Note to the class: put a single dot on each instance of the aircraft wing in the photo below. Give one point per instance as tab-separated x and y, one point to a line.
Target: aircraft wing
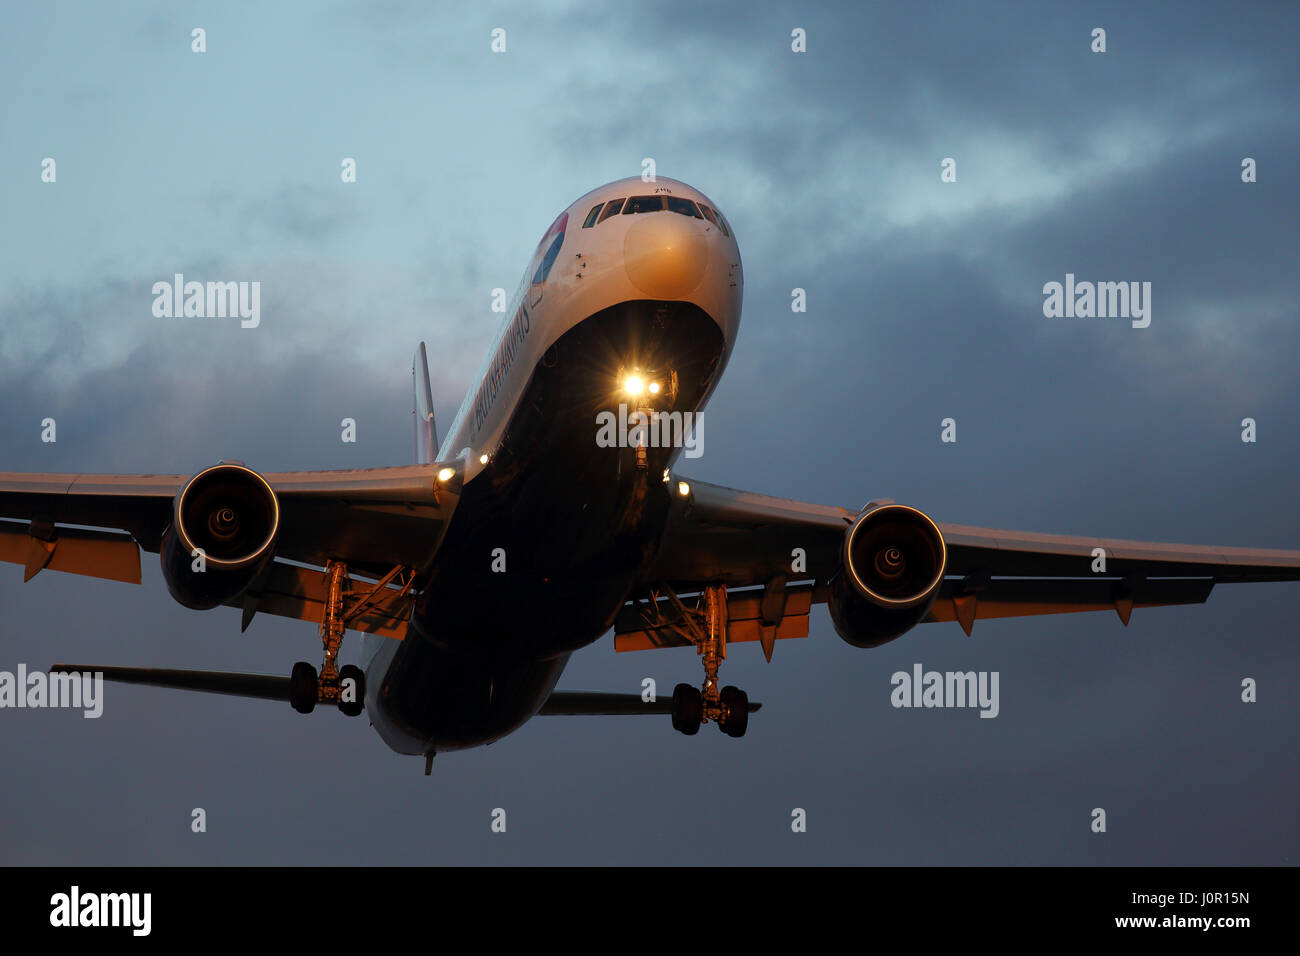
372	519
748	541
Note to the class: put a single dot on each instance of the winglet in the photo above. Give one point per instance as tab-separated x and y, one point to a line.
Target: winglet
426	429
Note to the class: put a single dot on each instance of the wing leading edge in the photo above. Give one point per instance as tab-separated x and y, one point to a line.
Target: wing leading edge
374	520
744	540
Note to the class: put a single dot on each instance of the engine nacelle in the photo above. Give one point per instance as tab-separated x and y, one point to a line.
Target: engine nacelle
230	513
890	571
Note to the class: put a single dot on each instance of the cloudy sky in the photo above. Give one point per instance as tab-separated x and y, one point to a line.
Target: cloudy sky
924	302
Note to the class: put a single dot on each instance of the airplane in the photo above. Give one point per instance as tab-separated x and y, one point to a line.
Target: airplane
473	574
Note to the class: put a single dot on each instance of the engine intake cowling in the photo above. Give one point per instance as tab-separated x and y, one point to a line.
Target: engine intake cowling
891	567
231	514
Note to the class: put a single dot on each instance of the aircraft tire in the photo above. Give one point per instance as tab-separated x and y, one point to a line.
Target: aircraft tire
688	709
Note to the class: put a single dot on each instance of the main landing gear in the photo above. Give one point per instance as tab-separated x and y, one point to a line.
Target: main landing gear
343	686
728	707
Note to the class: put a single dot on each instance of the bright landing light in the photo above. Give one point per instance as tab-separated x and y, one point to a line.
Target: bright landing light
654	388
446	474
683	488
633	385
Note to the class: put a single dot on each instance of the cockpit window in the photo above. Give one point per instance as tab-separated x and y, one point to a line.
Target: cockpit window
640	204
643	204
611	209
711	214
683	206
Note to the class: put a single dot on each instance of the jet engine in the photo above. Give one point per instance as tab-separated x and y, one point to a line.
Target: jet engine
890	571
224	525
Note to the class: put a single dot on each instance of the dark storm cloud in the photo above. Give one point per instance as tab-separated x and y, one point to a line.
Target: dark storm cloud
925	301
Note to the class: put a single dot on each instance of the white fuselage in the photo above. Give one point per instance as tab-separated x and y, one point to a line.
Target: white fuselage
656	255
596	256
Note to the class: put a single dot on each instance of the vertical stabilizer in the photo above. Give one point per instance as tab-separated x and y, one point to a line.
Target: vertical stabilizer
426	429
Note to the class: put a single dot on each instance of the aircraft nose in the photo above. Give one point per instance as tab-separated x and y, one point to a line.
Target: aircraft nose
666	254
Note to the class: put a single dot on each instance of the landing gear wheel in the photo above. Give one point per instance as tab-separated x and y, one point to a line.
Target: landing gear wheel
735	704
303	687
356	689
688	709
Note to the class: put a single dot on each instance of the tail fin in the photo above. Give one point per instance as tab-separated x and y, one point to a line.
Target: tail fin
426	429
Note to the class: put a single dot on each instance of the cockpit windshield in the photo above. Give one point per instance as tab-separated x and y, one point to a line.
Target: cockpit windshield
683	206
661	203
643	204
611	209
716	219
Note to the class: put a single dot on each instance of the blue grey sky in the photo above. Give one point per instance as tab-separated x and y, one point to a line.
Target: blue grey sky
924	302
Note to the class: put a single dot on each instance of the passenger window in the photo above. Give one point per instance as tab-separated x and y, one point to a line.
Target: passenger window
683	206
591	216
643	204
611	209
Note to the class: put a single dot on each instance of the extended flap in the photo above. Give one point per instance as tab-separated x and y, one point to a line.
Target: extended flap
97	554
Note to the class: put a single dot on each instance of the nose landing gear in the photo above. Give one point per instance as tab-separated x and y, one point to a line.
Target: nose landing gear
652	394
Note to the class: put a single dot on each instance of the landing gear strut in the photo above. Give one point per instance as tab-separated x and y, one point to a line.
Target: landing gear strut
728	707
652	393
331	632
343	686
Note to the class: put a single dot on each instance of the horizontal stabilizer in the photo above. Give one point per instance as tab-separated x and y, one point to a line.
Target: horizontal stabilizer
263	686
596	704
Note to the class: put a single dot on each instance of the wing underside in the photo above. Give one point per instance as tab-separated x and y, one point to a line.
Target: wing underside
385	524
775	556
389	520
